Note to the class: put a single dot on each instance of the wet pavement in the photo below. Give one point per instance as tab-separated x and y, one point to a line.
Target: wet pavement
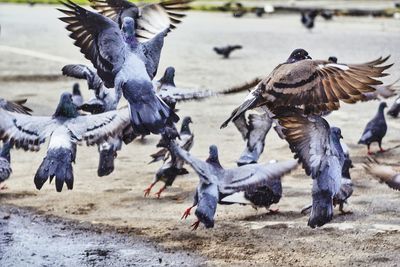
27	239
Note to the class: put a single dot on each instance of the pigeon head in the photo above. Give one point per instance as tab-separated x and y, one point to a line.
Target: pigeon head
298	55
336	132
213	156
66	107
169	134
332	59
5	151
185	125
168	77
382	106
128	31
76	90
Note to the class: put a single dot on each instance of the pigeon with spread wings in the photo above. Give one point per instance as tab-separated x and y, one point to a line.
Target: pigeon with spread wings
122	62
320	152
217	182
316	86
151	19
64	130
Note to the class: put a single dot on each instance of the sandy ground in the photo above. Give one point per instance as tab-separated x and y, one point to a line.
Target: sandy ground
242	235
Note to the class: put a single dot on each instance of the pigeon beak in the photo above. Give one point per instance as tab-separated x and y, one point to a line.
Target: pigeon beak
341	136
308	57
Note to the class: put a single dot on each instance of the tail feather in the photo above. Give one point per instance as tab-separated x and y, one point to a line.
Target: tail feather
106	160
58	164
322	209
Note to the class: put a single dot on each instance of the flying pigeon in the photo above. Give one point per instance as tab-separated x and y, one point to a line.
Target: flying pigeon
381	90
122	62
385	174
216	182
15	106
104	100
346	185
5	167
315	85
395	108
150	19
225	51
317	147
186	141
64	129
254	132
77	95
307	18
375	129
174	167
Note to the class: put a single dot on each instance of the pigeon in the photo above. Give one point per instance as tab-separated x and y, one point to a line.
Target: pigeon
239	10
15	106
65	128
77	95
381	90
259	11
317	147
375	129
104	100
395	108
346	185
122	62
150	19
254	132
307	18
225	51
216	182
385	174
327	14
5	167
315	85
172	168
186	141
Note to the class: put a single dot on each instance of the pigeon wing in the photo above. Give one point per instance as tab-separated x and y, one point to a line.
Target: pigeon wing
80	71
259	126
308	138
253	175
99	39
15	106
242	126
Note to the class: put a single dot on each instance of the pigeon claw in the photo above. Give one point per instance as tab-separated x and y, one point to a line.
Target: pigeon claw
3	186
381	150
158	194
186	213
273	211
195	225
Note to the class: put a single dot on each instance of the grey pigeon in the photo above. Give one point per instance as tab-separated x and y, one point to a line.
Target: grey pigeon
319	150
150	18
122	62
216	182
255	132
395	108
15	106
64	129
5	167
375	129
225	51
104	100
174	167
346	185
385	174
186	141
77	95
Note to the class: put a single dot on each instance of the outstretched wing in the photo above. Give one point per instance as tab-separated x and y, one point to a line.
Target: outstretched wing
99	39
319	85
308	138
15	106
24	131
95	129
383	173
253	175
259	126
80	71
242	126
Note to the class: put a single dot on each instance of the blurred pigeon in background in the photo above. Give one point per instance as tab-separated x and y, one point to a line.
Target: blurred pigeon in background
308	17
122	62
64	129
375	129
5	166
395	108
385	174
225	51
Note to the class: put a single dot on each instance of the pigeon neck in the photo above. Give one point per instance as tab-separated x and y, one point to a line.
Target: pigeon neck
380	113
131	40
5	151
67	110
185	129
214	161
167	81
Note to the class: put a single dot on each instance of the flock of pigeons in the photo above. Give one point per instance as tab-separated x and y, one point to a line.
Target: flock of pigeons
124	42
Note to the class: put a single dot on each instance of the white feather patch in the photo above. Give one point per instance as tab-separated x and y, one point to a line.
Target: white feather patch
339	66
60	138
237	197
